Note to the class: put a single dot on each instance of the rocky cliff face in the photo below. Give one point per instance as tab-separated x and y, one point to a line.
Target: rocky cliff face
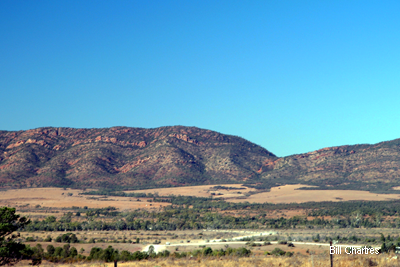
172	156
127	157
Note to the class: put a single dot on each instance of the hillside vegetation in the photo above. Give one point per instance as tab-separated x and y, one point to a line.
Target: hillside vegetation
123	157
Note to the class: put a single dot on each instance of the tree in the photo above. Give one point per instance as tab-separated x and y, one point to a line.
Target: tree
50	250
10	250
73	252
151	249
383	239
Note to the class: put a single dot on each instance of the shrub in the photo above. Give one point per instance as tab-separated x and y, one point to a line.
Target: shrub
50	249
278	252
242	252
58	251
73	252
207	251
67	238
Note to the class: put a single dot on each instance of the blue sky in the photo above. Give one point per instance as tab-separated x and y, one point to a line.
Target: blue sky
291	76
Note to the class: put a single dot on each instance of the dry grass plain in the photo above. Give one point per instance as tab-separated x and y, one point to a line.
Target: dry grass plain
198	191
281	194
60	198
291	194
384	260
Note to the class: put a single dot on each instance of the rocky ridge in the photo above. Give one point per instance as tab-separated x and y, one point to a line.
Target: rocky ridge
172	156
128	157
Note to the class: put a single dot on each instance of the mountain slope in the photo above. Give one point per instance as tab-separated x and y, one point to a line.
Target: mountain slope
358	165
128	157
171	156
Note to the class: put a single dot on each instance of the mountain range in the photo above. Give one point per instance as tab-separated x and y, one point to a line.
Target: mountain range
123	157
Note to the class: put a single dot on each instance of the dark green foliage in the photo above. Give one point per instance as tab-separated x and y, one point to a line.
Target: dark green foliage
67	238
125	256
278	252
242	252
65	252
383	239
164	254
107	255
207	251
51	219
389	245
137	255
58	251
11	251
62	254
289	254
37	255
50	249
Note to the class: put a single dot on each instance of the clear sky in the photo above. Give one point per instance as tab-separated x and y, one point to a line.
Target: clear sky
291	76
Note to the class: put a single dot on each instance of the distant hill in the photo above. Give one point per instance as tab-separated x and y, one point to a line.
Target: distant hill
367	167
126	157
123	157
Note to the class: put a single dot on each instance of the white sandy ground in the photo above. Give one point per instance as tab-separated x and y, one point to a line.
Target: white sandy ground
160	248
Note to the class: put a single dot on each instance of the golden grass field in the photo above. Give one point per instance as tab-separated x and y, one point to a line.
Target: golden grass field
281	194
290	194
59	198
198	191
384	260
